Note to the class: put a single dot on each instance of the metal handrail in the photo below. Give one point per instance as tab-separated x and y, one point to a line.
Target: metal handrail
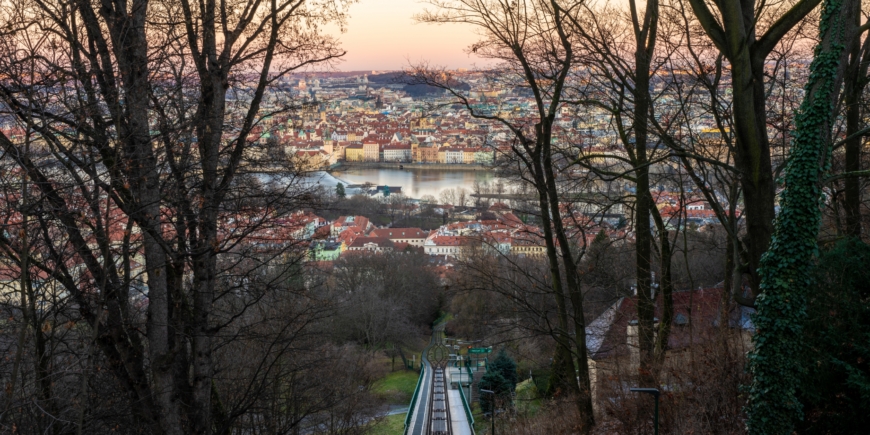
414	397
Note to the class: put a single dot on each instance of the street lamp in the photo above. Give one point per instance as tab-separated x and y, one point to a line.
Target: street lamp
492	417
655	393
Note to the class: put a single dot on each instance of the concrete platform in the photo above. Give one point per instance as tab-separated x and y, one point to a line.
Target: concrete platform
458	420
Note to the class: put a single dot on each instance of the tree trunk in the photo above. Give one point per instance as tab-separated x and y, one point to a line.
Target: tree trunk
667	295
584	399
733	33
562	377
753	160
731	279
402	355
643	234
854	80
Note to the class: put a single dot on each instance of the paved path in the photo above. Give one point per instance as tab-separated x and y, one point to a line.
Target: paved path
457	414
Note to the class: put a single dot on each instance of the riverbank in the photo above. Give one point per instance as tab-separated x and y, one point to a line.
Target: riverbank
343	166
417	181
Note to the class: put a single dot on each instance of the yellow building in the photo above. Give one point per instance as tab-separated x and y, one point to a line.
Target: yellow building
527	248
354	153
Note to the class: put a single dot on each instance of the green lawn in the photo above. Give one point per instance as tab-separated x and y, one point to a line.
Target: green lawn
528	399
390	425
443	318
397	387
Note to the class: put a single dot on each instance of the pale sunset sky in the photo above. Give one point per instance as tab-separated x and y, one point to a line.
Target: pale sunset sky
382	35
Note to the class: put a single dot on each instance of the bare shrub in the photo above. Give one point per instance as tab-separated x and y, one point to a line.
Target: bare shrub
700	387
556	416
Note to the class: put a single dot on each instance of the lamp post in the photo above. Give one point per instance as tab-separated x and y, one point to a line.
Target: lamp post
655	393
492	411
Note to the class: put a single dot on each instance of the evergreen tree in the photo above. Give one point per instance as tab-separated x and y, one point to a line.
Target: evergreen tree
600	238
494	381
339	191
621	223
506	367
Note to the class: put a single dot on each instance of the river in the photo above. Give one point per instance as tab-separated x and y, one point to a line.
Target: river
415	183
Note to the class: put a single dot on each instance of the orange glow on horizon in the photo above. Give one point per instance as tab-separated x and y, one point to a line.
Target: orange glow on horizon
382	35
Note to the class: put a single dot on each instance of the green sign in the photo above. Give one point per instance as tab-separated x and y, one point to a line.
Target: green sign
479	350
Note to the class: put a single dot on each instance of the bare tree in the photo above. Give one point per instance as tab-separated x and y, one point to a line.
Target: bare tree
533	44
855	81
448	196
389	300
461	197
147	110
732	29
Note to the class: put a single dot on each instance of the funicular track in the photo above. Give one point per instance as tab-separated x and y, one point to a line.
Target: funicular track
431	414
439	409
438	421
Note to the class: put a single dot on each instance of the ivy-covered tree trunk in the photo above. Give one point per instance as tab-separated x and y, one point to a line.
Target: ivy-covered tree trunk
773	407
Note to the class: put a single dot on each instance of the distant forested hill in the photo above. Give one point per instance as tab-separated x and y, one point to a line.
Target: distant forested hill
412	90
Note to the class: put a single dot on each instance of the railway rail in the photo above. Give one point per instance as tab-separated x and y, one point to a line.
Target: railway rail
439	410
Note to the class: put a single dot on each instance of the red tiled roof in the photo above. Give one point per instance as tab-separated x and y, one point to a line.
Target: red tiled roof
399	233
701	306
450	240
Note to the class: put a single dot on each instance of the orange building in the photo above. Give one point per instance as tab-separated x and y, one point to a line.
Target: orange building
428	154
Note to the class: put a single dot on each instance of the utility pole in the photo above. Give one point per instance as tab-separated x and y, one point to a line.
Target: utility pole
492	411
655	393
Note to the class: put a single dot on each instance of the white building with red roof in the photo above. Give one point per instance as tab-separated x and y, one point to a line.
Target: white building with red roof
373	244
451	246
411	236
